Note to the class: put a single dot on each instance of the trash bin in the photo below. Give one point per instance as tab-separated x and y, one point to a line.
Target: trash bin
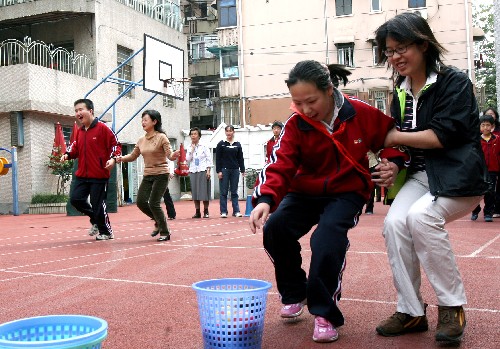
232	312
54	332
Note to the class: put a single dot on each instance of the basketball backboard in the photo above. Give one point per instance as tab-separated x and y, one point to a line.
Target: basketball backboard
163	64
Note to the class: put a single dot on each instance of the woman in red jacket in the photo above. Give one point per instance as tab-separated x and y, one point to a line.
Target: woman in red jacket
318	174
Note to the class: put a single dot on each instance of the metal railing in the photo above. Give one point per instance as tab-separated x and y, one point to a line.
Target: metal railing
166	11
13	2
13	51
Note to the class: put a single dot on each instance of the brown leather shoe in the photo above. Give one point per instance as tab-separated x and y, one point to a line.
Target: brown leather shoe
401	323
451	324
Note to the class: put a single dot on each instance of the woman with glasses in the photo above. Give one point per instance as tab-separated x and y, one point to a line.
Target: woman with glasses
437	119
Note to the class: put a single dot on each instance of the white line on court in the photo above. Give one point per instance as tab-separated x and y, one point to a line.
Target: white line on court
479	250
357	300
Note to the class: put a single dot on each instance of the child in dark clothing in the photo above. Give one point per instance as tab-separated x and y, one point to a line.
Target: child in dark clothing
491	149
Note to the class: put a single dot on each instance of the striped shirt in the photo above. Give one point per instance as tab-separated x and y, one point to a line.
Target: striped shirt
417	155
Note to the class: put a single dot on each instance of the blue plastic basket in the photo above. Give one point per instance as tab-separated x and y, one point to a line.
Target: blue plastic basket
54	332
232	312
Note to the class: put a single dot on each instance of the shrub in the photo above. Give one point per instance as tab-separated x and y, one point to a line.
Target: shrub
62	170
49	198
251	175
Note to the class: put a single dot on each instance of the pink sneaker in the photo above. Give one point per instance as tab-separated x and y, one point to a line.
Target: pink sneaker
324	331
292	310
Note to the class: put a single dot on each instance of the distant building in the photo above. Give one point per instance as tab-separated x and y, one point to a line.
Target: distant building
54	52
260	41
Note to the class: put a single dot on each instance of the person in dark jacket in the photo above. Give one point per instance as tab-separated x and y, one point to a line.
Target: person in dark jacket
490	144
438	120
96	148
318	176
228	165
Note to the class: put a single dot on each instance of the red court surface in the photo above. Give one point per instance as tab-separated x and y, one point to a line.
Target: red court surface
49	265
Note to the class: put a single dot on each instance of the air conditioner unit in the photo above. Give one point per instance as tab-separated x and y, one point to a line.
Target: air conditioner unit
422	12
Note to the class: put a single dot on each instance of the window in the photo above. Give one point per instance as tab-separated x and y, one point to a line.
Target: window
229	64
125	72
379	99
343	7
227	13
67	133
376	6
376	61
168	102
350	93
198	46
416	3
230	111
345	54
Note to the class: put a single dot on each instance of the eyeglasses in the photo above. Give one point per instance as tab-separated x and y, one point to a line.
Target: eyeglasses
399	50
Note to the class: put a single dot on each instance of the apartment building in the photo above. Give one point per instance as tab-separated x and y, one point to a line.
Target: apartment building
203	64
54	52
260	41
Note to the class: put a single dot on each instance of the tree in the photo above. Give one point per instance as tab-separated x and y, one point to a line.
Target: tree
61	169
485	66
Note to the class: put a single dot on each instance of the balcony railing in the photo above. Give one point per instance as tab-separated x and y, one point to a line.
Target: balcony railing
166	11
13	2
13	51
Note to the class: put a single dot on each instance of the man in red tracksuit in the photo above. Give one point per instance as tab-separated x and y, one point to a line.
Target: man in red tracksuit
96	147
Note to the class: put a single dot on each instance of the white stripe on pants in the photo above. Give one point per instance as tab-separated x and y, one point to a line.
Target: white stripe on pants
414	234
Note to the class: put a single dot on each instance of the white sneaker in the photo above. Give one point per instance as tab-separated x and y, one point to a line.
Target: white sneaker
223	215
237	214
93	230
105	237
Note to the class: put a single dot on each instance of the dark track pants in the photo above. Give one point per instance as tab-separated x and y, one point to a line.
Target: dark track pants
96	210
294	218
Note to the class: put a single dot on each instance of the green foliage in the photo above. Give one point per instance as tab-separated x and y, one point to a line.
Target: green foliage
49	198
251	175
483	17
61	169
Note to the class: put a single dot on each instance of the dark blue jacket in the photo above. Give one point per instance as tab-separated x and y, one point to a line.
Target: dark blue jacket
229	155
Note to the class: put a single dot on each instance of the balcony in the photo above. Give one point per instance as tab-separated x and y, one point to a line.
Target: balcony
36	76
14	52
228	36
166	11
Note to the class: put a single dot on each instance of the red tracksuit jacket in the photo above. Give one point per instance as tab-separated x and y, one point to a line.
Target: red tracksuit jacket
491	150
93	148
310	160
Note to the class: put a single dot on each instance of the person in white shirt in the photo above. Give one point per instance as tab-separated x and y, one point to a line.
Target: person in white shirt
200	163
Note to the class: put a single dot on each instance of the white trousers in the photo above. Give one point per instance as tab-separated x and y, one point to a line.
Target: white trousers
414	232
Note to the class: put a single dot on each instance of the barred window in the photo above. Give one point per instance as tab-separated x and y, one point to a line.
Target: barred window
345	54
125	72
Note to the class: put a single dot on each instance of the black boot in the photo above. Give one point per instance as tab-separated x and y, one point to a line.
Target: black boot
197	214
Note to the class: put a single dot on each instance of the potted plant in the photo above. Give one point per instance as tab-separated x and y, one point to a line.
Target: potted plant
251	175
62	170
48	203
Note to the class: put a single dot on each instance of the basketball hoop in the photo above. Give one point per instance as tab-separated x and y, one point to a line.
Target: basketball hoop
180	86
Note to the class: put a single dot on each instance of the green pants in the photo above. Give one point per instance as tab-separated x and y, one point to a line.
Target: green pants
149	197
